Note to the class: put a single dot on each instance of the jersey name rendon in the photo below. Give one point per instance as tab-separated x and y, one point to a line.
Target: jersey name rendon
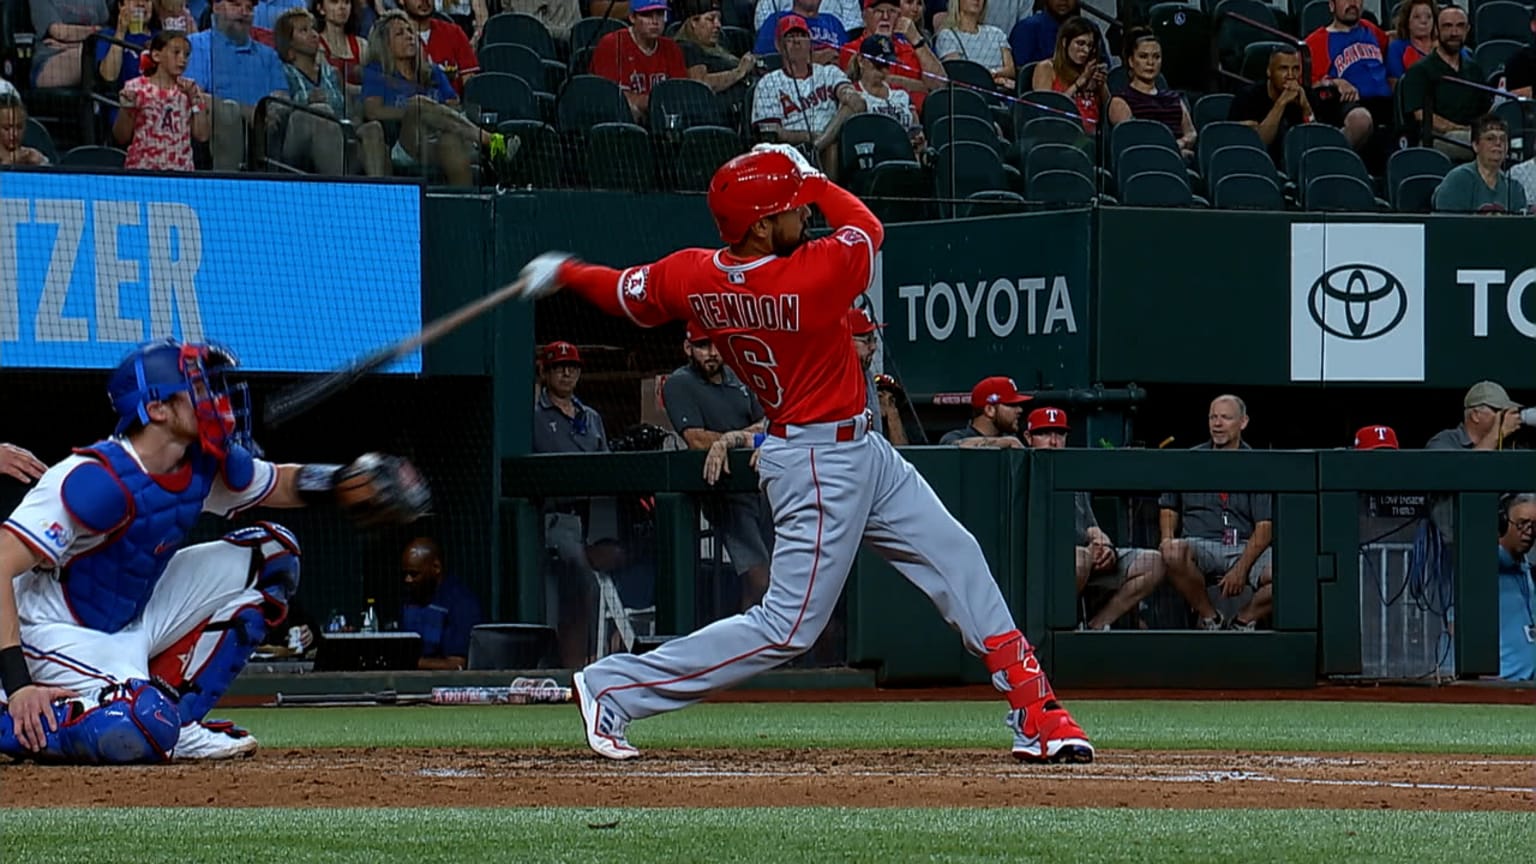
740	311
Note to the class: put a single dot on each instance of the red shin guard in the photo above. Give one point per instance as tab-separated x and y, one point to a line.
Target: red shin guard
1015	671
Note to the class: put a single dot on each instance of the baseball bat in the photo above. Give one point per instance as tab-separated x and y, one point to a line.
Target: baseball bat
298	399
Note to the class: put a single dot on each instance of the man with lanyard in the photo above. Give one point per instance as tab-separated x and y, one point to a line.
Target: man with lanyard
1517	593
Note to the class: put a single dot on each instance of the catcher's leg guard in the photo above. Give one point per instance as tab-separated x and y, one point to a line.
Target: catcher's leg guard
133	722
223	646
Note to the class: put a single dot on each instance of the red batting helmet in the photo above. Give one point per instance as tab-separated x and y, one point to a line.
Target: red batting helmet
754	186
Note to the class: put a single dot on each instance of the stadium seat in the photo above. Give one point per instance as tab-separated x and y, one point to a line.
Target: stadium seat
586	32
1211	108
516	28
69	110
737	40
1305	137
1044	103
1255	64
619	156
1049	130
1520	117
992	202
690	102
964	167
1058	188
1247	192
588	100
770	62
1325	161
1185	34
1233	36
1493	55
703	150
507	96
36	136
1142	158
1134	132
971	74
1056	157
1224	134
1314	14
1337	193
1415	194
867	140
517	60
900	192
1414	162
963	128
1241	160
940	103
89	156
1155	189
538	155
1500	19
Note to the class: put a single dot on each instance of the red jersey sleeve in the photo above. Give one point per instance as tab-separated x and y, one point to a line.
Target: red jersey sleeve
676	68
842	264
641	293
1381	36
464	53
605	57
1317	47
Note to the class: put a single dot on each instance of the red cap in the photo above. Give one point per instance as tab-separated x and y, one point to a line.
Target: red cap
788	23
860	322
696	332
558	353
1042	419
1376	438
997	390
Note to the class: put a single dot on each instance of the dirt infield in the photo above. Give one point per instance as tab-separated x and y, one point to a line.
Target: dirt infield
758	778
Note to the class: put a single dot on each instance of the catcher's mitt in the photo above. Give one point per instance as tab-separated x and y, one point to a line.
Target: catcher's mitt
379	489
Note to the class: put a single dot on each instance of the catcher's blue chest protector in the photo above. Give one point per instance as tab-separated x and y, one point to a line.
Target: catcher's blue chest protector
146	521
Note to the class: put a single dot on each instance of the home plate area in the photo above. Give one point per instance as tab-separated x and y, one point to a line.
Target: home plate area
382	777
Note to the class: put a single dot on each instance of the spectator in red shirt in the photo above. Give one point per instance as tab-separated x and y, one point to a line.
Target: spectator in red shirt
340	45
445	42
639	57
914	56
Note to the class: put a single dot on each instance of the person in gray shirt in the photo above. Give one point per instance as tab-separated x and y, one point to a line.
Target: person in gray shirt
1488	419
704	400
1482	185
1225	537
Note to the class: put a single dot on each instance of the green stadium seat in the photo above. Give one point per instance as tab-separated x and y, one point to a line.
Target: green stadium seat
538	155
682	103
1234	36
1060	188
1155	189
586	32
1056	157
868	140
963	168
703	150
1500	19
1338	194
1247	192
1224	134
507	96
900	192
1305	137
36	136
1211	108
619	156
90	156
1415	194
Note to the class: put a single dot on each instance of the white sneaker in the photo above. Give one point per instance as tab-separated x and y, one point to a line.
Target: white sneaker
603	726
214	739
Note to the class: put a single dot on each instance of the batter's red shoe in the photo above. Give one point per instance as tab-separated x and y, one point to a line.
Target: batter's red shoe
603	726
1047	733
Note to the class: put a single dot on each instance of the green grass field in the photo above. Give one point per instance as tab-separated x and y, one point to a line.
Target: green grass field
827	834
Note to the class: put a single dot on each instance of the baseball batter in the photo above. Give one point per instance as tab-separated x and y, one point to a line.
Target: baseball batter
114	641
776	306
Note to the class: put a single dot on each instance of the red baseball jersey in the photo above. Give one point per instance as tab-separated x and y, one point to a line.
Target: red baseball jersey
617	58
780	323
449	48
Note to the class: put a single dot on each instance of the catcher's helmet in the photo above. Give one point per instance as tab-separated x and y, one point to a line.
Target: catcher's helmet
158	370
756	185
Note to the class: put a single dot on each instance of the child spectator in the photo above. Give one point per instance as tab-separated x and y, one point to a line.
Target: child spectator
136	26
13	130
162	111
62	27
639	57
339	22
400	85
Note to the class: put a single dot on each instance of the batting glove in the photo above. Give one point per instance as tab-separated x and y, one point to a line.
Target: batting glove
542	275
795	156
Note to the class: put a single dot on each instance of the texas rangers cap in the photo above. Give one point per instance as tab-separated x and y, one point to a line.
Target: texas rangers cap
788	23
879	48
560	354
860	322
997	390
870	4
696	333
1488	393
637	6
1376	438
1043	419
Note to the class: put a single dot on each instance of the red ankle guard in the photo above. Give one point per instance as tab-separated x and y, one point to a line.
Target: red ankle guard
1015	671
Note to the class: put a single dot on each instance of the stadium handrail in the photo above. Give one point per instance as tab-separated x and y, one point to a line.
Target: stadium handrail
258	142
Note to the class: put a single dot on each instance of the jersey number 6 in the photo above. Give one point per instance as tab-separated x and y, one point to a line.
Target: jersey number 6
756	364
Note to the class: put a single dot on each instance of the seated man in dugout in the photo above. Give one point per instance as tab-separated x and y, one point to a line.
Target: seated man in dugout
1220	539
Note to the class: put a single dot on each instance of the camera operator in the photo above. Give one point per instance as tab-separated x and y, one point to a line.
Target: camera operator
1489	421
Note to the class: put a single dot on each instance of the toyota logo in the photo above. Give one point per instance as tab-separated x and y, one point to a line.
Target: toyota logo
1357	301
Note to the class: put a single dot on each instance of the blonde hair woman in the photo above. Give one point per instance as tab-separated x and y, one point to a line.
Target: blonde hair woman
707	60
965	37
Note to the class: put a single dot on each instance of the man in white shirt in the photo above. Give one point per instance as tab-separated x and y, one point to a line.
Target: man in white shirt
804	103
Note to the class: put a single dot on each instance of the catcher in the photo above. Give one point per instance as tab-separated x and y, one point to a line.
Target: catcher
114	641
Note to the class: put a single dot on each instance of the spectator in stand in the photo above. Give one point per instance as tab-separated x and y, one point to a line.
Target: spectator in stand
445	41
1520	70
804	103
13	130
826	31
400	85
237	72
437	607
1220	539
638	57
1489	419
62	27
917	69
1142	100
1348	57
1076	70
1034	38
561	422
890	395
965	36
340	22
1517	592
1413	38
266	13
174	15
703	55
710	407
1482	186
1111	581
558	15
8	89
996	405
162	111
866	343
136	26
1276	104
845	11
316	83
1454	107
871	76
